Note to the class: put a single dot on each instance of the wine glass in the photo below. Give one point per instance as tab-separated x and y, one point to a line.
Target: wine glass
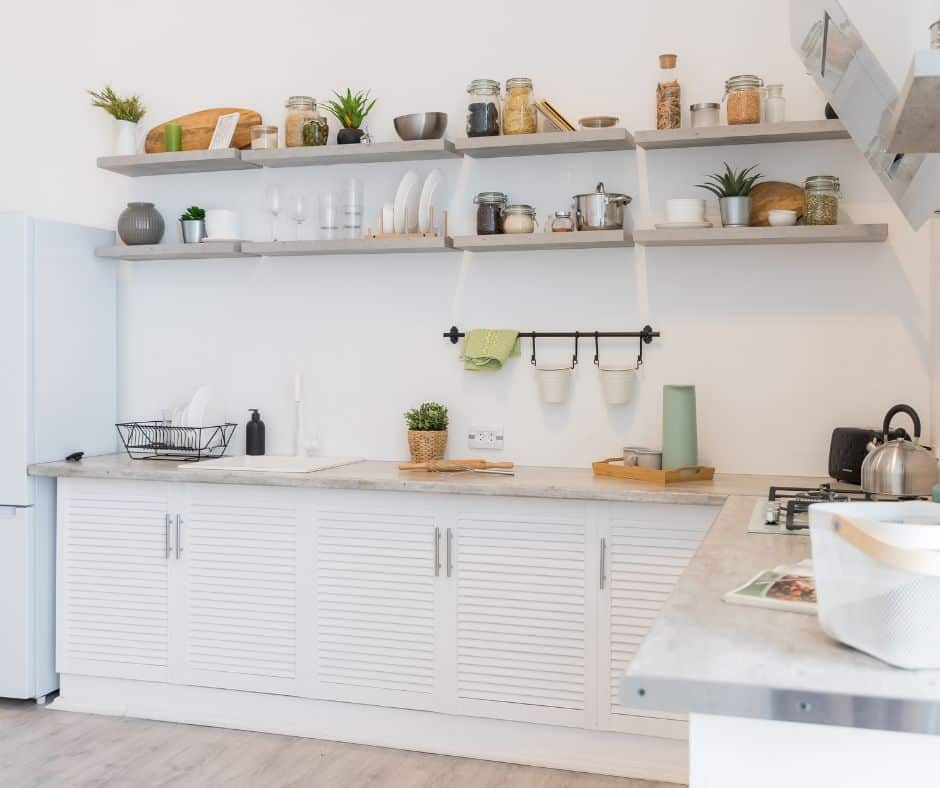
299	211
273	201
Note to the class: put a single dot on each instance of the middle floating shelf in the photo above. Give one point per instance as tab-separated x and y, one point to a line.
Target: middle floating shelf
309	156
510	242
388	245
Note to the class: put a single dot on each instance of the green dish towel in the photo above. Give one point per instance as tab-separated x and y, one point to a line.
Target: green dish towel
488	348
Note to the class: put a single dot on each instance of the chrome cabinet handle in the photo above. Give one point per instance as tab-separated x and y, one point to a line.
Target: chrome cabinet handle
166	536
603	564
450	552
179	539
437	552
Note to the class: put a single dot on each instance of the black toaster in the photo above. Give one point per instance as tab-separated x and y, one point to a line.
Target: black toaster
848	448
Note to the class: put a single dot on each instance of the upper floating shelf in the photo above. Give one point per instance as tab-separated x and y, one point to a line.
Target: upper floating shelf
175	251
732	236
707	136
387	245
544	143
176	163
416	150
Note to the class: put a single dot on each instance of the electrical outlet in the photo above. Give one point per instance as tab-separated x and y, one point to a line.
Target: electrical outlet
486	437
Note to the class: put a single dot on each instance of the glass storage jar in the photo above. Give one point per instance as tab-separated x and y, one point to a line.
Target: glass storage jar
705	114
743	95
518	219
668	94
303	124
519	116
562	222
821	200
490	206
483	108
776	105
263	137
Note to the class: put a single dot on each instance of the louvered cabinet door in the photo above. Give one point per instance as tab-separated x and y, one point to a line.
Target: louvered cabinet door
239	558
522	620
112	603
375	632
648	548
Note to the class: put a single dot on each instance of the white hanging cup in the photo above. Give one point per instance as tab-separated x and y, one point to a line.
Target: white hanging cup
554	383
618	383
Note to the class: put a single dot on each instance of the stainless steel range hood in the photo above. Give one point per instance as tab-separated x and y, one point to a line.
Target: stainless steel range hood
891	130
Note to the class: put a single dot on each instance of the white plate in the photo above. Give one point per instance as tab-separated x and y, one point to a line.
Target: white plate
406	201
431	183
682	225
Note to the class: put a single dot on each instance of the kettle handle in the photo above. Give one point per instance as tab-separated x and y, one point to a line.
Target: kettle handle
902	409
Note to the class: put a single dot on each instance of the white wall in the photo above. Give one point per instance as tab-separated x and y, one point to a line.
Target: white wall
783	343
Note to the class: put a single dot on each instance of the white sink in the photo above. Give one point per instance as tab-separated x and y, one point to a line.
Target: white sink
270	464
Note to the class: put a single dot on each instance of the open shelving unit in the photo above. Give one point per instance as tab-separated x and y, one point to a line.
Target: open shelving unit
709	136
415	245
545	143
177	163
540	241
175	251
310	156
731	236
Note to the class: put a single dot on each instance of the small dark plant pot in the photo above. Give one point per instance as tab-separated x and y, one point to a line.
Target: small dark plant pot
349	136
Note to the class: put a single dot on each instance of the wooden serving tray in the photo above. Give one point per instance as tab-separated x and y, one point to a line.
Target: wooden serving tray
613	466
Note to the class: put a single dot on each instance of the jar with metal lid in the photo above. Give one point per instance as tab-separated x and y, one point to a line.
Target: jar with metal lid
743	95
490	206
705	114
775	106
519	115
304	125
562	222
821	200
483	108
519	218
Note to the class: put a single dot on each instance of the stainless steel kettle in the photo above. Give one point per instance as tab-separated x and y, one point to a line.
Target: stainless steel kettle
900	467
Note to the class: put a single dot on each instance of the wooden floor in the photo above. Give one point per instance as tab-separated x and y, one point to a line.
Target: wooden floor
41	747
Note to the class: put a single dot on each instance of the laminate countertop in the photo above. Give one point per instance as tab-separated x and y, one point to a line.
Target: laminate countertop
528	482
704	655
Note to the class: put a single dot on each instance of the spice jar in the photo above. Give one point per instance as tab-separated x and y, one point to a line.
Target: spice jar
821	200
562	222
490	207
776	105
518	219
519	109
483	109
304	125
743	95
704	114
263	137
668	94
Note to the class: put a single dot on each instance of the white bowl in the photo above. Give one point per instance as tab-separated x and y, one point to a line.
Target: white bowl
618	383
554	382
781	218
685	210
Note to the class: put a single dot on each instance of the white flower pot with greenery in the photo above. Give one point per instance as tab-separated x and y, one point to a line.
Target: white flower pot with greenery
193	224
427	432
126	112
733	191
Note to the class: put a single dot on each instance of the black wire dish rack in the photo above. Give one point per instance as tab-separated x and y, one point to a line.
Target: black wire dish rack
161	440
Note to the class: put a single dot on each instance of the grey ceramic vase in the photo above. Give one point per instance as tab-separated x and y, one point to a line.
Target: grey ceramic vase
140	223
735	211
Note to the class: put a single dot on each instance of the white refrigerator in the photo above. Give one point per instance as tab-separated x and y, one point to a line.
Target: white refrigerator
58	358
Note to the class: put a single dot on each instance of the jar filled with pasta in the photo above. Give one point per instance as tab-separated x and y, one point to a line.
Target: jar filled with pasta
821	200
668	94
742	93
519	115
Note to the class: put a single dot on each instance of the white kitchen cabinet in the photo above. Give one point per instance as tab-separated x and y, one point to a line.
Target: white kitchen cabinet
113	579
524	623
645	549
376	565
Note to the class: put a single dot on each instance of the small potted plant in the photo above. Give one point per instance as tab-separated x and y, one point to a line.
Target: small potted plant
193	222
732	190
350	110
127	113
427	432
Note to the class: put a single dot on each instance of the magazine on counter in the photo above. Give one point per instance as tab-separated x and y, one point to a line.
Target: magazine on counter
789	587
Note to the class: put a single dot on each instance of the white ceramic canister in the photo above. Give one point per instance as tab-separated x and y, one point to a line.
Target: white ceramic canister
554	383
222	225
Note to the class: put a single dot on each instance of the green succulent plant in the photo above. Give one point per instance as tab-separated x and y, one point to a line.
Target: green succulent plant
351	109
731	183
428	417
130	108
193	214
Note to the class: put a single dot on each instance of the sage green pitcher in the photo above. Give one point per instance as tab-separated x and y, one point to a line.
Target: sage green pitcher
680	430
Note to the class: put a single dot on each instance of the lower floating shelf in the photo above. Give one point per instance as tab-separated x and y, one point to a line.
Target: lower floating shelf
203	251
584	239
730	236
387	245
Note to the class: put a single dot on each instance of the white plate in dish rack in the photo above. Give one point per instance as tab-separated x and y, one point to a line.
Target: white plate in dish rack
406	203
270	463
431	184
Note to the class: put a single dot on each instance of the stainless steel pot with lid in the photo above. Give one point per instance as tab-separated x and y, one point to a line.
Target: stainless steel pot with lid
600	209
900	467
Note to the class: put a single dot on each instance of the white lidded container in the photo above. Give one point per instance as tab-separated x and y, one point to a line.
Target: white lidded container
877	568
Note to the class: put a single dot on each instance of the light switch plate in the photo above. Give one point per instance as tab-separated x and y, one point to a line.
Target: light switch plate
489	437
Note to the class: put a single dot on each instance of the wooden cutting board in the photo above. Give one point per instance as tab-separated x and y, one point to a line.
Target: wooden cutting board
198	128
774	195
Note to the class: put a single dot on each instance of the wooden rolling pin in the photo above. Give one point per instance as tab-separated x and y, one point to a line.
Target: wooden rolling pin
454	465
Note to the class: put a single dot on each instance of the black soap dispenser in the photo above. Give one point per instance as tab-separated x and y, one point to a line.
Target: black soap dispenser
254	434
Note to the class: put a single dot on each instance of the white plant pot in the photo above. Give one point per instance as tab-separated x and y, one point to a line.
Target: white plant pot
125	138
554	383
618	384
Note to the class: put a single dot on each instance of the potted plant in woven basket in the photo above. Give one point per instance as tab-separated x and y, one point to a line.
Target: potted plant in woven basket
427	432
